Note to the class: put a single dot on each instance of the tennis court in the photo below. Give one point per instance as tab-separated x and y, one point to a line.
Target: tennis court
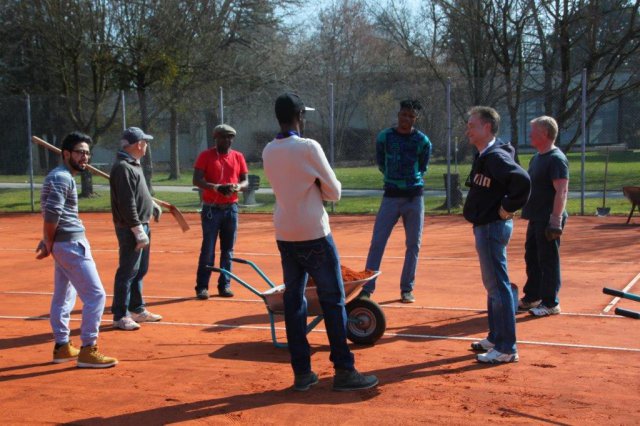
213	362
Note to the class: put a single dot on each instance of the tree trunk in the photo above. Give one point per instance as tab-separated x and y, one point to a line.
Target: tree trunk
86	184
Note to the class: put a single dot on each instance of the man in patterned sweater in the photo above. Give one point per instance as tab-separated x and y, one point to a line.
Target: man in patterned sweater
75	271
402	154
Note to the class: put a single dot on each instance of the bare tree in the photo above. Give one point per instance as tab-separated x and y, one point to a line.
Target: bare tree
75	41
345	52
506	23
602	37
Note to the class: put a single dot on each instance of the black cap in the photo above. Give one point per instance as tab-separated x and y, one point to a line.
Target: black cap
288	105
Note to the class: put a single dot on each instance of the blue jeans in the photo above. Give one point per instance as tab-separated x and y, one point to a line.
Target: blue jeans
133	266
215	221
491	245
411	210
542	258
76	274
318	258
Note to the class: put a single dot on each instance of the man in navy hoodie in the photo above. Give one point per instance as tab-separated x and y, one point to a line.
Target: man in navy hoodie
499	187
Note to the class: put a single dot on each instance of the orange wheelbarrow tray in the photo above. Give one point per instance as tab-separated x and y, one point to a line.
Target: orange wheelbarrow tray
366	321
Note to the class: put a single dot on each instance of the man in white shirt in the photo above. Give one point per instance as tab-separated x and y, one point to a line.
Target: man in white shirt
302	178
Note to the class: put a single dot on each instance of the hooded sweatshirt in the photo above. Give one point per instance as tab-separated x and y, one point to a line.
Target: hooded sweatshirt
496	180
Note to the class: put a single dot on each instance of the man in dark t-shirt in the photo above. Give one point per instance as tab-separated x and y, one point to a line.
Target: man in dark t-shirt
545	210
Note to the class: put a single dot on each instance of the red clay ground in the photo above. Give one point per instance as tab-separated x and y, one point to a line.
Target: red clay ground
212	362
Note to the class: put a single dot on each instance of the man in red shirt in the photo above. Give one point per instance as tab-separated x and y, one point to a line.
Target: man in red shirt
220	172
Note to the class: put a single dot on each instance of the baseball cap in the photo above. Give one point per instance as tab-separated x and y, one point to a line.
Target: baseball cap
224	128
135	134
288	104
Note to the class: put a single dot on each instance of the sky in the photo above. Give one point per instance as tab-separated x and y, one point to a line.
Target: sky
310	9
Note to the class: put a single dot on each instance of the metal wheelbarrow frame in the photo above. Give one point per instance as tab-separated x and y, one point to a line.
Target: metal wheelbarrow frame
366	321
620	311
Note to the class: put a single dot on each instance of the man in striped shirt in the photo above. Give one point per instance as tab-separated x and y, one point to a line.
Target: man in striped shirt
75	271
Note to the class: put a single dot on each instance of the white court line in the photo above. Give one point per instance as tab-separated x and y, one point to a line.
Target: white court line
425	258
316	330
385	306
615	300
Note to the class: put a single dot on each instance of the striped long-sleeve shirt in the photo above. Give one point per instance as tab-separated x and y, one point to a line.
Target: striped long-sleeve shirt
59	204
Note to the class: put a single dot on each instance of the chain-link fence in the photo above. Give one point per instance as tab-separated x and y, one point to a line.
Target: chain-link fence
357	118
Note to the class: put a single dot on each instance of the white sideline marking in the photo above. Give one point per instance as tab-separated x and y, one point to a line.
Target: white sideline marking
415	336
616	299
423	258
392	305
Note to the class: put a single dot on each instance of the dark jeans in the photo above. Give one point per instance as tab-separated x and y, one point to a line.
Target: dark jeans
216	221
543	265
319	259
127	288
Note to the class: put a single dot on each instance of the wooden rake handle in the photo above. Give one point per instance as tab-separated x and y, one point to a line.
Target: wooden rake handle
177	214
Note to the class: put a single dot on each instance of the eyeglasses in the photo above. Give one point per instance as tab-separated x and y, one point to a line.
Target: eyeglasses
82	152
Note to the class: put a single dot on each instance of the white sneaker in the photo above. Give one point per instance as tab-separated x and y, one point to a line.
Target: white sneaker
495	357
126	323
482	345
145	316
525	306
543	311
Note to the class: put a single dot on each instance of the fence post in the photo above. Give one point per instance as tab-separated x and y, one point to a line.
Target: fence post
584	139
448	183
30	148
124	111
332	136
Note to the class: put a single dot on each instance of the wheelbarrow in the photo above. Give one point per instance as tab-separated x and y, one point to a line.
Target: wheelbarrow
366	321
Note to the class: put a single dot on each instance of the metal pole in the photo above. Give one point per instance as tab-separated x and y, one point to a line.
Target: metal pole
221	105
448	145
332	136
331	132
124	111
30	148
584	139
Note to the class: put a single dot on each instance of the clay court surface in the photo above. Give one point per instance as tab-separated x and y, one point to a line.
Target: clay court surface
213	362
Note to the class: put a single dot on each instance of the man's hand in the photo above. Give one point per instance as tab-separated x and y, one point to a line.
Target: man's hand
553	231
504	215
235	187
142	239
157	212
42	250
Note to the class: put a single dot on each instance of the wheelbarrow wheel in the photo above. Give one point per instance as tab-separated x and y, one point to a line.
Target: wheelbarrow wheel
366	322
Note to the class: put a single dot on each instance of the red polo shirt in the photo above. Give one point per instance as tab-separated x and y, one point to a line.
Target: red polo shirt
220	169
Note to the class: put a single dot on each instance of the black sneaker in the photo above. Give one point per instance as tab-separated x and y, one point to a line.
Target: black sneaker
202	294
350	380
303	382
225	292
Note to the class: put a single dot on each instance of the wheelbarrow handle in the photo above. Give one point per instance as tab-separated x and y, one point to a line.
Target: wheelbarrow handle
255	268
627	313
234	277
618	293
